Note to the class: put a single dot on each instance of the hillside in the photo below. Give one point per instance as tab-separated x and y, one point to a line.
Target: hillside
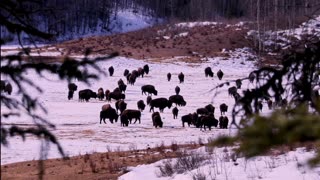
201	40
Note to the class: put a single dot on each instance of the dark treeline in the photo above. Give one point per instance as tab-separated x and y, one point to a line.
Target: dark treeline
80	17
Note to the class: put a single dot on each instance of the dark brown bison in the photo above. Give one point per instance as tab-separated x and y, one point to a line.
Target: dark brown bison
160	103
232	91
124	120
72	87
135	73
100	94
86	94
120	81
141	105
187	119
123	87
208	72
105	107
181	77
121	105
110	114
202	111
220	74
178	100
116	96
141	72
223	122
210	108
132	114
146	69
107	94
208	121
175	112
223	108
132	79
238	83
156	120
126	72
150	89
177	90
111	70
169	76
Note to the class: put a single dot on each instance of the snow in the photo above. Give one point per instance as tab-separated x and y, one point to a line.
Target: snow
77	123
127	20
283	38
193	24
218	164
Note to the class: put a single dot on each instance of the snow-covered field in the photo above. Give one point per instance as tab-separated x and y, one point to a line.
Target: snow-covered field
79	131
218	164
77	123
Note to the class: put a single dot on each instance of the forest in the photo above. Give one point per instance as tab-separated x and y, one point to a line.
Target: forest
69	18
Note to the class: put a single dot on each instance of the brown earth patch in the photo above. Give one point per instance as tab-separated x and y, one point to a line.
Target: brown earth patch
108	165
200	41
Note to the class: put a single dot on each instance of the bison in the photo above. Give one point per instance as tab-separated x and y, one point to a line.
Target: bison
232	91
121	105
150	89
132	114
110	114
208	121
141	105
156	120
210	108
223	108
116	96
123	87
220	74
223	122
126	72
124	120
141	72
177	90
86	94
178	100
72	87
181	77
202	111
111	70
189	118
132	79
208	72
169	76
160	103
146	69
100	94
175	112
107	94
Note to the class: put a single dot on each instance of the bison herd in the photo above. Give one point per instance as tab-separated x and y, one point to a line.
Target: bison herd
202	118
